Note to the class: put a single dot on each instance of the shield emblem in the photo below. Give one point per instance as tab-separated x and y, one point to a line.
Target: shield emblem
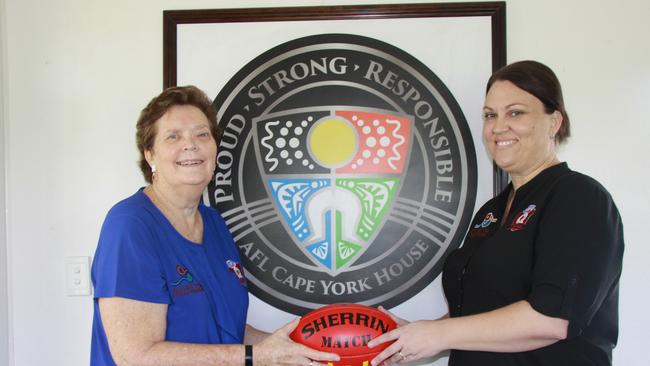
333	173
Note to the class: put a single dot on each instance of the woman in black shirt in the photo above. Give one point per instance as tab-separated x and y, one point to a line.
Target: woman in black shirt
536	280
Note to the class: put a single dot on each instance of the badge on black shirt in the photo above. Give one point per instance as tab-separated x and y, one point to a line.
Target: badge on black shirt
522	218
483	229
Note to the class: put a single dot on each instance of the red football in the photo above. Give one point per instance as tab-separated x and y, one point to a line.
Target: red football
344	329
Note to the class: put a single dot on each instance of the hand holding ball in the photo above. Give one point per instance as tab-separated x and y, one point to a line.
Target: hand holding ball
344	329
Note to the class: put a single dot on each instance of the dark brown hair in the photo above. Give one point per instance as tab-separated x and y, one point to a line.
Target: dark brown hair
178	95
540	81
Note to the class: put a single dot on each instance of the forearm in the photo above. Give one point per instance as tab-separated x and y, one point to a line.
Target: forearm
513	328
181	354
254	335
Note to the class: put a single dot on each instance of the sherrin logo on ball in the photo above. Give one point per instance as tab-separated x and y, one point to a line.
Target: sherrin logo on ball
344	329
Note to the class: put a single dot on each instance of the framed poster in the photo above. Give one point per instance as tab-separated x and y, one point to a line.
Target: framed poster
351	162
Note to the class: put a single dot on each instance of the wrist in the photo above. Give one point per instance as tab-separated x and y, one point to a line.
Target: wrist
444	333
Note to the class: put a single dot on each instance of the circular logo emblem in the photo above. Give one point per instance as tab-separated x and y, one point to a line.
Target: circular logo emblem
346	172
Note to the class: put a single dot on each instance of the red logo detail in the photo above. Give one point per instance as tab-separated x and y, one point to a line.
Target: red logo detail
522	219
181	270
383	142
235	267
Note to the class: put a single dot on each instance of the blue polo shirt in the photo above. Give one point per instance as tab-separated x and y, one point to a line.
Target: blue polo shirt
141	256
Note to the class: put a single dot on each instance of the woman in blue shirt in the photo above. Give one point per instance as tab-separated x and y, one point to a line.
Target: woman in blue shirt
169	286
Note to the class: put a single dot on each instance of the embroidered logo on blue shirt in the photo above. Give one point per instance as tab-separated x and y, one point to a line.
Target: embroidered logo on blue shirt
186	284
184	273
522	219
235	267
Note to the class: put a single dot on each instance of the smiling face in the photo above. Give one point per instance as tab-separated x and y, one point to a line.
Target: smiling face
517	131
184	150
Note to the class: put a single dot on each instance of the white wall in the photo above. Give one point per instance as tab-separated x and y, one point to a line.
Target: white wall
77	72
4	313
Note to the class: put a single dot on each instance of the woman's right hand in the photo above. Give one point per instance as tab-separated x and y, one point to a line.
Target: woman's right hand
279	349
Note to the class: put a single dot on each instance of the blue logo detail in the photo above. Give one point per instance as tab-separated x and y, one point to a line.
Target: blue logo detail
292	196
487	221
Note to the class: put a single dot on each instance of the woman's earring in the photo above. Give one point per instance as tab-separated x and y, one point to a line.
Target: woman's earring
153	171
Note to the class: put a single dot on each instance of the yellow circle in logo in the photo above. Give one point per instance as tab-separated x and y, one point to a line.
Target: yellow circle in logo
332	142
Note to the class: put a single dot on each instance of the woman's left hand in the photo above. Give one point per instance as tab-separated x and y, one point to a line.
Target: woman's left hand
399	321
413	341
279	349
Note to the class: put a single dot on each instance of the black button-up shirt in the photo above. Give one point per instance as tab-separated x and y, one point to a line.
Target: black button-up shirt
561	249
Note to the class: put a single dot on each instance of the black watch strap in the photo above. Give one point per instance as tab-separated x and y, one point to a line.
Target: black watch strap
248	358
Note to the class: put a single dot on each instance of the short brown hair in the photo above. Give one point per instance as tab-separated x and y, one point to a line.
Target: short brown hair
177	95
540	81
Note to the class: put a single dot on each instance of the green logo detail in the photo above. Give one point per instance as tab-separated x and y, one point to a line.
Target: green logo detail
375	195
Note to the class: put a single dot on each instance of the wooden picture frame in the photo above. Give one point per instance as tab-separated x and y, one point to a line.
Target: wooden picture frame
218	49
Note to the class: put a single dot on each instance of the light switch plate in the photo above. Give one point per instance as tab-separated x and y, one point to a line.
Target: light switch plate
77	276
